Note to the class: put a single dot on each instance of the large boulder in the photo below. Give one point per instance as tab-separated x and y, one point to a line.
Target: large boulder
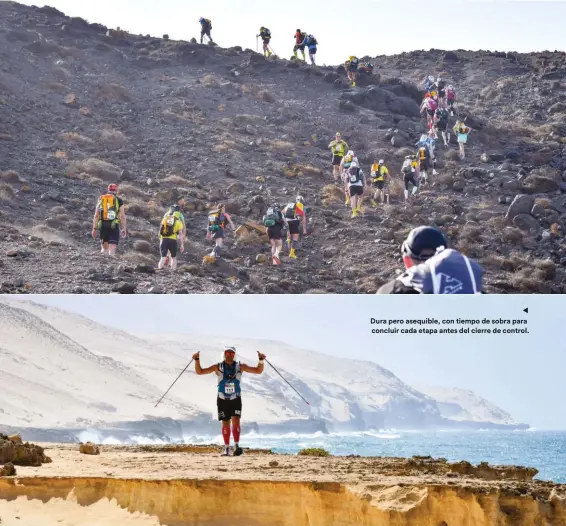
89	449
539	184
522	204
380	99
21	454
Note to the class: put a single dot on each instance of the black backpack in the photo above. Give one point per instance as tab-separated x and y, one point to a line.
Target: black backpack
168	225
354	174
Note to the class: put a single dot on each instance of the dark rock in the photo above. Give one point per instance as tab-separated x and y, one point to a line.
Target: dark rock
513	155
347	106
450	56
526	223
538	184
522	204
144	269
124	288
538	210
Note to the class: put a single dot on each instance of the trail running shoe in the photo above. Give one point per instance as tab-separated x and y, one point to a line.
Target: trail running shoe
238	451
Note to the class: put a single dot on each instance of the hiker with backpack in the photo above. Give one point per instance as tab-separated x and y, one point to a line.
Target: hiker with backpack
462	131
380	178
433	268
441	118
274	223
175	210
293	214
109	220
351	67
429	105
356	183
410	172
299	44
229	397
311	43
338	148
171	238
440	86
217	221
344	166
205	29
265	35
450	98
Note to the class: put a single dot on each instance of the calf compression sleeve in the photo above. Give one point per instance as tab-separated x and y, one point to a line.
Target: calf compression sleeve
226	435
236	433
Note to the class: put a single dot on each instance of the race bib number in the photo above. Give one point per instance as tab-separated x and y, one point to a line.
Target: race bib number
171	221
111	215
353	178
229	389
339	147
211	219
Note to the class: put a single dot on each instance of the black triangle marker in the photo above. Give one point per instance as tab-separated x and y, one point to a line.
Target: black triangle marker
526	310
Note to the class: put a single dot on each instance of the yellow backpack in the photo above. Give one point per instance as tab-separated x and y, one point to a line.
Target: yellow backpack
109	207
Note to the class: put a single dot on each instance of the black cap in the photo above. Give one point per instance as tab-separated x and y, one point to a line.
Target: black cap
423	242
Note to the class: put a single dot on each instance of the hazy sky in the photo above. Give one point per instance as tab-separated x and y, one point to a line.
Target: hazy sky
365	27
524	374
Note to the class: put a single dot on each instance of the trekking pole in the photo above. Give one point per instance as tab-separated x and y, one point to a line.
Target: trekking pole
159	401
257	44
273	367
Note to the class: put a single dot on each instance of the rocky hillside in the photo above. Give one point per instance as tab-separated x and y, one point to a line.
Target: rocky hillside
64	363
81	106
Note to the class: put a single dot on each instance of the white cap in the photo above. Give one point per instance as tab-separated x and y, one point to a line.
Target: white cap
381	161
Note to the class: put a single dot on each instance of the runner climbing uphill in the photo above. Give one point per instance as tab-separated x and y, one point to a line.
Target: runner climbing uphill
429	83
311	43
429	105
380	178
205	29
433	268
450	98
338	148
351	67
344	166
274	223
294	213
462	131
409	170
229	399
171	238
265	35
175	210
441	88
217	220
425	162
356	183
441	124
299	43
109	220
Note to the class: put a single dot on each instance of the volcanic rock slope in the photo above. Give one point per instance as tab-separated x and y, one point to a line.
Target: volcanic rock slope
177	121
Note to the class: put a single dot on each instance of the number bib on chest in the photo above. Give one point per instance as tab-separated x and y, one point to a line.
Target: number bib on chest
229	388
111	215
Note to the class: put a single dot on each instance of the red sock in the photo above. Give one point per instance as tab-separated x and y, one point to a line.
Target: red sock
226	435
236	433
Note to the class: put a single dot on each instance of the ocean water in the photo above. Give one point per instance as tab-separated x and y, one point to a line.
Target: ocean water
544	450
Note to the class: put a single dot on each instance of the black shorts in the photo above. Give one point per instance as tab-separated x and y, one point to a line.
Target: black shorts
409	179
337	160
441	125
229	408
441	94
424	164
356	190
312	51
205	32
293	226
168	245
353	69
450	102
430	112
218	234
379	184
275	232
299	47
266	41
108	234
